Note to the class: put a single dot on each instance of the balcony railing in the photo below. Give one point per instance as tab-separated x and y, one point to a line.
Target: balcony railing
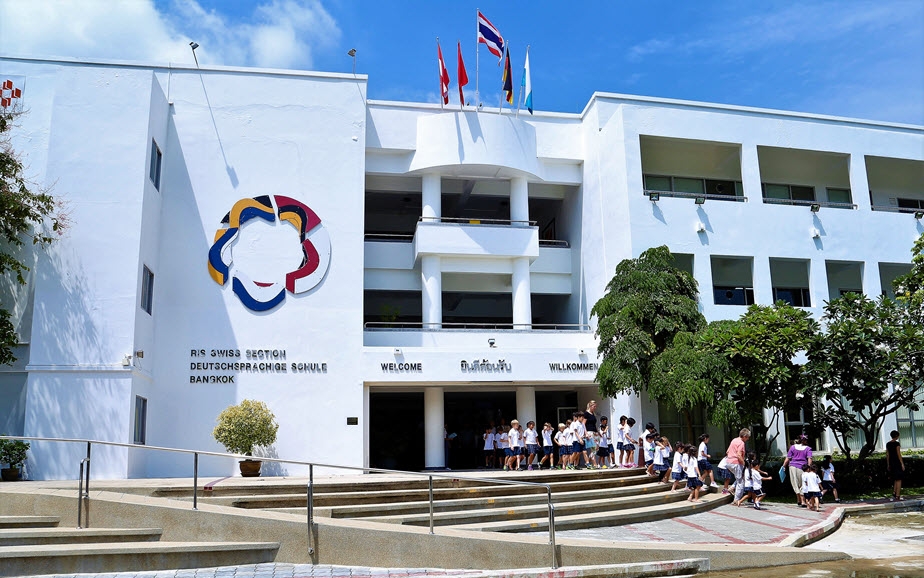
801	203
554	243
695	196
389	237
893	209
472	221
421	326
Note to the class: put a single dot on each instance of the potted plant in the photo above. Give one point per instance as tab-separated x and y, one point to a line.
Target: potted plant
242	427
12	453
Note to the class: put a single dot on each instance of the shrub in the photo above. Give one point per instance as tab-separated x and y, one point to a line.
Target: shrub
243	426
13	452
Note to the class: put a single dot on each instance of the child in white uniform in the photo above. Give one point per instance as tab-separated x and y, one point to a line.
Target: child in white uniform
548	450
811	487
489	447
532	443
692	472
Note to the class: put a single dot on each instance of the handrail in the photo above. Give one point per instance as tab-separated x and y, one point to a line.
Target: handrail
475	221
429	326
891	209
684	195
801	203
389	237
84	489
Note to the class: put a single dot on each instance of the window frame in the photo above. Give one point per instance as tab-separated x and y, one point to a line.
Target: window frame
737	186
157	159
147	290
140	425
789	187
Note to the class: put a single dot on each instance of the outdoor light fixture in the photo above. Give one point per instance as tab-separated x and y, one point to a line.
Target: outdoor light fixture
700	228
126	360
140	354
919	215
398	351
194	46
654	197
815	207
491	342
581	352
700	200
816	234
352	54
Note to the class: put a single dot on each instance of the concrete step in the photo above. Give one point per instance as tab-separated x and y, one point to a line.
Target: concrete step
562	482
36	536
130	556
510	500
662	511
583	507
29	521
237	488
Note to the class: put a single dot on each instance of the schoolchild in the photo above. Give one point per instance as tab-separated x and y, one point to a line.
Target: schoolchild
705	467
658	466
827	479
513	447
611	449
621	440
503	446
568	439
489	447
603	451
758	478
522	443
649	453
577	444
665	460
677	470
548	454
747	477
629	444
560	439
692	472
532	443
811	487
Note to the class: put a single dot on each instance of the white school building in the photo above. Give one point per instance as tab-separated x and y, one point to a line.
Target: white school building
379	271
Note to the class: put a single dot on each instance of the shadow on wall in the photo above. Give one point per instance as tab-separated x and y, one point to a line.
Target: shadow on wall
270	468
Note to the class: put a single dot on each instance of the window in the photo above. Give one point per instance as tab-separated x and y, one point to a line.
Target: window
839	196
911	425
910	203
799	416
156	159
141	420
789	192
147	290
795	296
693	186
733	295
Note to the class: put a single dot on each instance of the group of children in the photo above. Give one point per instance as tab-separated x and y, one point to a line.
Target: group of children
814	487
572	443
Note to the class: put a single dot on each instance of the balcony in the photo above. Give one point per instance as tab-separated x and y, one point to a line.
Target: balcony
476	238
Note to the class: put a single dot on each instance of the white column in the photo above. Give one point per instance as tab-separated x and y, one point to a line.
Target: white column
434	424
522	304
750	173
431	193
859	182
432	291
519	200
526	406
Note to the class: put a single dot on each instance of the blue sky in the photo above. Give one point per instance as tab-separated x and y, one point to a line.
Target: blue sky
846	58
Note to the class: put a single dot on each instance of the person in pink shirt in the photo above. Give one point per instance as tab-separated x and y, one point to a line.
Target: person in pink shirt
735	460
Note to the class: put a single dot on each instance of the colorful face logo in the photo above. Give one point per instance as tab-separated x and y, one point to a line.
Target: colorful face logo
264	294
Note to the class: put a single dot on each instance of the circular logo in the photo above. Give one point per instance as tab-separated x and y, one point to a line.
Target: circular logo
262	294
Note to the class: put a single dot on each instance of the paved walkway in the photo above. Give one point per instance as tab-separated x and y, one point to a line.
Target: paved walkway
277	570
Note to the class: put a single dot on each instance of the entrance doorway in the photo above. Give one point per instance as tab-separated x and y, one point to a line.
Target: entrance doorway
468	414
396	431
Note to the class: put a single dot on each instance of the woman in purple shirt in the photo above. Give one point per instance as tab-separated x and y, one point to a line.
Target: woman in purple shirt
799	455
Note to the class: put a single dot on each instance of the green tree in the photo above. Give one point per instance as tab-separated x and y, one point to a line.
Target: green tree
647	303
867	364
26	217
760	351
909	289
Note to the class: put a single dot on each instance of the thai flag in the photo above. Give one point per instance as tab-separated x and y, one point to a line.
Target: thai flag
490	37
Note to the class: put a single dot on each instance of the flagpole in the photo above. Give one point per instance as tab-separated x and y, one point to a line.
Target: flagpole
440	52
477	94
522	82
500	106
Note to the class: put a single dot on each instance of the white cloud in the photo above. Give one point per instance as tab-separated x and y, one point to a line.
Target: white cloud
279	33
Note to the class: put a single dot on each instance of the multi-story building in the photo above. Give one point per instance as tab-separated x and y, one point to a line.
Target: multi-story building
384	273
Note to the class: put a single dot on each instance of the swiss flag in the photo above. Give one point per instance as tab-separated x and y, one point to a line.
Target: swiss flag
444	76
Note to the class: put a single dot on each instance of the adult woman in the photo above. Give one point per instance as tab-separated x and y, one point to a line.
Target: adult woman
590	416
799	454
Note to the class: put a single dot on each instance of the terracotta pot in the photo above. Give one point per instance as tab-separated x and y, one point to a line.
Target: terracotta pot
250	468
9	474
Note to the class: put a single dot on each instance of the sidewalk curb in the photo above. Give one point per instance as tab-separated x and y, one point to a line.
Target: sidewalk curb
836	518
683	567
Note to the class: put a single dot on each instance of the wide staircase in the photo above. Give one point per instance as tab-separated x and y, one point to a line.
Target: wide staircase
31	545
581	499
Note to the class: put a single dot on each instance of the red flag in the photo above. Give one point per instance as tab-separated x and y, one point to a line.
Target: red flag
444	76
463	77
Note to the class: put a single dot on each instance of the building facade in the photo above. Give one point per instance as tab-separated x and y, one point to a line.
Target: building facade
383	274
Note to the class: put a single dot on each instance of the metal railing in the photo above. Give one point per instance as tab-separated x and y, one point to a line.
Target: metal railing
801	203
683	195
389	237
404	325
476	221
893	209
83	490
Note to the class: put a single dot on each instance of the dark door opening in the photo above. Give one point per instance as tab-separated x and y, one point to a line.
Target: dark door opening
552	406
468	415
396	431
